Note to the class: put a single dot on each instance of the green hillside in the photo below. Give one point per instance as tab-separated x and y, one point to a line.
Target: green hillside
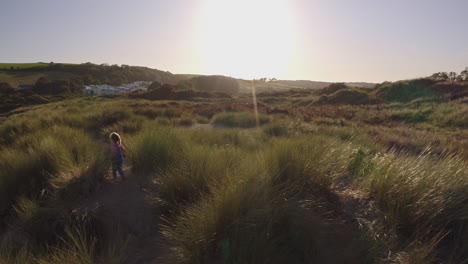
11	66
86	73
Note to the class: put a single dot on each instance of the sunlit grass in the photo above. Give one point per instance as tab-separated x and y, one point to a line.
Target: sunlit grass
241	195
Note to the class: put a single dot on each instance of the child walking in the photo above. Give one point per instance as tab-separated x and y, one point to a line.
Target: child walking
117	155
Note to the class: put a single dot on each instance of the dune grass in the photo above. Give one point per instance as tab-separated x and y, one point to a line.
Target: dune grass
253	207
238	195
422	196
242	119
153	149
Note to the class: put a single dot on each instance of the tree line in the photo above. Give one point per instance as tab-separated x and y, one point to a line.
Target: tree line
451	76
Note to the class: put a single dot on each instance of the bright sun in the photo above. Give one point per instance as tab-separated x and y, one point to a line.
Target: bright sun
245	38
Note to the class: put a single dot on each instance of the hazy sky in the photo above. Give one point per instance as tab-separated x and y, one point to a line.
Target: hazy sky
331	40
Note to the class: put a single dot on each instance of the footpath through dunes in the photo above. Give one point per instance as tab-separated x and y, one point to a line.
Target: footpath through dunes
123	206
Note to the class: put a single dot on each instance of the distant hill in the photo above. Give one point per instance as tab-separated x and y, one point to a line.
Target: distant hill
318	85
87	73
423	88
12	66
215	83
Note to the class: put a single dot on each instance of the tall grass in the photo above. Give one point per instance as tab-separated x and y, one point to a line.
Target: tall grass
60	164
246	140
306	160
238	223
200	169
237	207
422	196
241	119
240	195
262	212
79	248
153	149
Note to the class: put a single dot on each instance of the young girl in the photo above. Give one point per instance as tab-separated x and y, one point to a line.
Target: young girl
117	155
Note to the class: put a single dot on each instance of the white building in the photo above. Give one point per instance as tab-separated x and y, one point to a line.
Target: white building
110	89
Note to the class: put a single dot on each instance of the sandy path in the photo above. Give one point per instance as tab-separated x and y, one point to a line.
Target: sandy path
124	205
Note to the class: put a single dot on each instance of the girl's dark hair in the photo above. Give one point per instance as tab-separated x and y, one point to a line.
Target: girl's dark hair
115	137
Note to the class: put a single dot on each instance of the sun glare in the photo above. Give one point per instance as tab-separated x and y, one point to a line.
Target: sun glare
245	38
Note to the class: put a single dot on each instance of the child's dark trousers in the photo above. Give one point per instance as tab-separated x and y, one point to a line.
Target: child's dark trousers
117	167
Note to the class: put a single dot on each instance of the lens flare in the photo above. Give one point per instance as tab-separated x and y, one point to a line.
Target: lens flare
247	39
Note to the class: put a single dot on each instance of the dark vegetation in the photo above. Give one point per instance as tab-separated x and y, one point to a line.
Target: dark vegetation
170	92
363	176
89	73
220	84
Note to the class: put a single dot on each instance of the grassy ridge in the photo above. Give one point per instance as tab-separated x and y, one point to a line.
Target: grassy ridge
8	66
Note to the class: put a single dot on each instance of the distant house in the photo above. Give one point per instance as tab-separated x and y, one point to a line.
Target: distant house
25	87
110	89
88	90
